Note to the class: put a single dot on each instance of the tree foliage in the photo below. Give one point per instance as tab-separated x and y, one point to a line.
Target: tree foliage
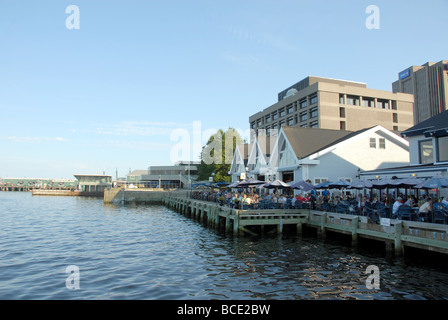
217	155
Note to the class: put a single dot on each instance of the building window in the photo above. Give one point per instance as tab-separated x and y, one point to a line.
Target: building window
373	143
383	104
395	128
314	124
268	119
290	109
368	102
319	180
282	113
342	125
394	105
425	148
290	121
353	100
395	117
314	113
341	99
442	149
313	99
303	116
303	103
274	116
342	112
382	143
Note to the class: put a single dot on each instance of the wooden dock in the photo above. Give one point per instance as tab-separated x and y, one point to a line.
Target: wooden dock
396	236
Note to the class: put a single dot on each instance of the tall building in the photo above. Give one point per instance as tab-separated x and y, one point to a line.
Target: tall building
429	85
325	103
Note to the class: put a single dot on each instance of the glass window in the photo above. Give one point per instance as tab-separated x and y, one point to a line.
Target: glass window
313	99
303	103
373	143
382	143
303	116
426	151
442	147
314	113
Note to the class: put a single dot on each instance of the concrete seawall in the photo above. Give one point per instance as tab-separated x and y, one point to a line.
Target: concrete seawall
67	193
151	196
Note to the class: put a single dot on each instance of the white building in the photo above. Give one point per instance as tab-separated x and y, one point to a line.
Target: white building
330	155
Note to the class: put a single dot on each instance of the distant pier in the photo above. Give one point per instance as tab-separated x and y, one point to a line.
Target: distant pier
396	236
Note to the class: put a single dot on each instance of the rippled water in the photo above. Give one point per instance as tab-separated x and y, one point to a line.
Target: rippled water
151	252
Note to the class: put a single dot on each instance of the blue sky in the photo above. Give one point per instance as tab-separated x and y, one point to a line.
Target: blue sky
108	96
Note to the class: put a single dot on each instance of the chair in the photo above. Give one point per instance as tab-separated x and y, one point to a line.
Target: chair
404	212
341	208
440	216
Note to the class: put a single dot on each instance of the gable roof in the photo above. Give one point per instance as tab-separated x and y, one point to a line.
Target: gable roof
307	141
437	125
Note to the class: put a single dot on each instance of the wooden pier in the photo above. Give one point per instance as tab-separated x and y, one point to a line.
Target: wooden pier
396	236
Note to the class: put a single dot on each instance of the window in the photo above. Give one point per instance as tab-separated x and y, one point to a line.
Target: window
373	143
382	143
268	119
342	125
314	124
303	103
395	117
314	113
313	99
442	149
290	121
303	116
290	110
341	99
426	151
368	102
395	128
342	112
394	105
282	113
274	116
319	180
353	100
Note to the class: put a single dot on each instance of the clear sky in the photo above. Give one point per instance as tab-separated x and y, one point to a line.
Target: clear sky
107	96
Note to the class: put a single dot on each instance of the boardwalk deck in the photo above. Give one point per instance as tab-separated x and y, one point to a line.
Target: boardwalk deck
396	236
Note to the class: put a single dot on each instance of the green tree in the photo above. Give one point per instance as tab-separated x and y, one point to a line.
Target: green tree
217	155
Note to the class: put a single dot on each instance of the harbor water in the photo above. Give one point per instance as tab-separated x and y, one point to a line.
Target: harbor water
80	248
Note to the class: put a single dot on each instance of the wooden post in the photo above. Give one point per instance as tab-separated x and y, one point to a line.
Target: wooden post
321	231
355	231
280	227
398	243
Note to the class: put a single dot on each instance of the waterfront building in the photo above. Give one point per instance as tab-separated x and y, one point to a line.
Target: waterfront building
429	85
238	168
135	176
93	182
37	183
325	103
180	175
322	155
428	151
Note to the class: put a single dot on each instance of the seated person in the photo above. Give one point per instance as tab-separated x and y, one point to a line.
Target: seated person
425	208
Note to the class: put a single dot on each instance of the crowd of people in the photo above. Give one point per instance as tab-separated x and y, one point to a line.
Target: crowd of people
350	204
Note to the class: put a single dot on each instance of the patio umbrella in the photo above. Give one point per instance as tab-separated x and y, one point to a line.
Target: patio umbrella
251	182
361	184
323	185
433	183
277	184
341	184
234	184
301	185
